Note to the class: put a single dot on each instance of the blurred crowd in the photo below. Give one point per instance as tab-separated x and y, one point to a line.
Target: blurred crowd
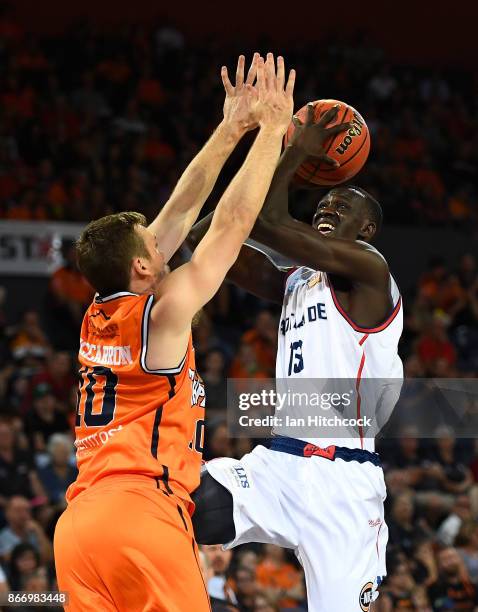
97	122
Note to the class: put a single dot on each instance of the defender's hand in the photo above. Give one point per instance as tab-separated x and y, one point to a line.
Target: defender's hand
275	101
240	98
310	137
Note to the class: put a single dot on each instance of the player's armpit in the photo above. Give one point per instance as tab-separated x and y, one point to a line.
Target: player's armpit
304	245
184	292
255	273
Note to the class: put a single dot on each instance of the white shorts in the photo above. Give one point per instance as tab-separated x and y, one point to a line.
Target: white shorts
329	512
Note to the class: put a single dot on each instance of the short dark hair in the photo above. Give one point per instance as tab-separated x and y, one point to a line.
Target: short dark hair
105	250
374	210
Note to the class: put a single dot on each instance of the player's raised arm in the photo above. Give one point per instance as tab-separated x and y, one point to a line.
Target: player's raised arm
252	270
188	288
178	215
306	244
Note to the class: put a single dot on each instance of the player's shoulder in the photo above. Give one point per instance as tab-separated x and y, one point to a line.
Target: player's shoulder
371	249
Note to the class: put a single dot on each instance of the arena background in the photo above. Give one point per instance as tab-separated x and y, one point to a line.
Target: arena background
101	108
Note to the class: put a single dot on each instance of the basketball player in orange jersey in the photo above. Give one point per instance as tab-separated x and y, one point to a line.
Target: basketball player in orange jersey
125	541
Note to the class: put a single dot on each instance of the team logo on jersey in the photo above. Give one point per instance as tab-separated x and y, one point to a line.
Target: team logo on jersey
366	596
299	279
198	394
316	278
108	331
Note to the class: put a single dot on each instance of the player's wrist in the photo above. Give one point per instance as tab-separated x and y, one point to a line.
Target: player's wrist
272	130
230	131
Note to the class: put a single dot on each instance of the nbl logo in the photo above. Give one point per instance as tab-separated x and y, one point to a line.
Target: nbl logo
366	597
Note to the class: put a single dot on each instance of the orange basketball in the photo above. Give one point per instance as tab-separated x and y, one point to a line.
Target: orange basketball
350	148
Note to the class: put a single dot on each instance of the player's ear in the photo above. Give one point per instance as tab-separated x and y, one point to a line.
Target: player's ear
367	231
139	266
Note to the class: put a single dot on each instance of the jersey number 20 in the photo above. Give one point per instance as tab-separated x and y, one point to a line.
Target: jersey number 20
105	380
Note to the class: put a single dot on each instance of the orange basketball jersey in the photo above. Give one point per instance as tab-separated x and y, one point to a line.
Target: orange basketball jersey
130	419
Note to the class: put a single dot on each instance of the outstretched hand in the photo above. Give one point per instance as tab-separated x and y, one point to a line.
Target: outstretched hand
241	98
310	137
275	101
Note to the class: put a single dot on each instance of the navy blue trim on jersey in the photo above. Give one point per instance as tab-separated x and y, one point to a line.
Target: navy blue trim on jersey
305	449
358	328
144	344
157	419
99	299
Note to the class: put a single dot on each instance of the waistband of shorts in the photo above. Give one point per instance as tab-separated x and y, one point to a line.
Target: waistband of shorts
156	482
305	449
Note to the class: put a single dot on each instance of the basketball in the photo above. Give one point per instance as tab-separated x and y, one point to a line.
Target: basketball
350	148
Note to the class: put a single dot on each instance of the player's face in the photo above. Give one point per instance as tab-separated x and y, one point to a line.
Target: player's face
340	214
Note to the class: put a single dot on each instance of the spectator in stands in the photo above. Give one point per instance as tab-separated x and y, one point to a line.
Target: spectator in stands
450	475
217	442
17	474
218	561
262	603
466	543
59	473
262	338
246	588
401	589
58	374
434	343
24	560
247	558
246	365
44	419
453	590
422	563
403	530
451	526
38	582
214	377
22	528
281	581
29	339
70	295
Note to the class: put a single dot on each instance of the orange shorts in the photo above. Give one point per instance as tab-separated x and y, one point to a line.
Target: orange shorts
126	545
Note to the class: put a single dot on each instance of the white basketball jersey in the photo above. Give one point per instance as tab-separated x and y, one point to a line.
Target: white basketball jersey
318	340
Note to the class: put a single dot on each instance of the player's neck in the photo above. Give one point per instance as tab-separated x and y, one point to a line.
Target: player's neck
141	286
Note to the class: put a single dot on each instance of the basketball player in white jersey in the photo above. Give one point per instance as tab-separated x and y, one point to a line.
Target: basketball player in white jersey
341	319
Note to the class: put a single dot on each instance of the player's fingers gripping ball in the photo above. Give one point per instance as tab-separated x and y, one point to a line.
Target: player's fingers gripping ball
349	148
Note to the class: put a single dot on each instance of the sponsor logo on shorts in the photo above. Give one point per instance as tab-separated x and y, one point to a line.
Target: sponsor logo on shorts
240	476
366	596
375	523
